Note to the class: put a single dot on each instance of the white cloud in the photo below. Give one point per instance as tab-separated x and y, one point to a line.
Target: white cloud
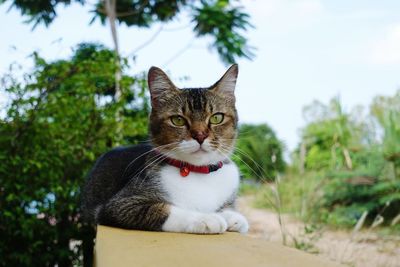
387	50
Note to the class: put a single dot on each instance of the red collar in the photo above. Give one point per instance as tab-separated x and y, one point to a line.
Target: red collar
186	168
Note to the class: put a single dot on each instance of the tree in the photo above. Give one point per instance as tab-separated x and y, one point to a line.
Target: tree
67	112
223	21
259	152
60	119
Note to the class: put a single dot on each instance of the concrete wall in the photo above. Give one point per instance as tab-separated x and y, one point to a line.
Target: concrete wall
117	247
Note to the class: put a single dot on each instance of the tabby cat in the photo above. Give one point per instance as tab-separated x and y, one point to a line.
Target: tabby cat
183	180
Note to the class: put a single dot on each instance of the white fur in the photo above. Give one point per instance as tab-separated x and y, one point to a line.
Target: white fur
196	198
200	192
236	221
181	220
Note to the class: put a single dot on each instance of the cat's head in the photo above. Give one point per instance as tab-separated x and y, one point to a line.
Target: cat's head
195	125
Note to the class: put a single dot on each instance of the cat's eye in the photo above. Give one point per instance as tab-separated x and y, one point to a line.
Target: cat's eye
217	118
178	120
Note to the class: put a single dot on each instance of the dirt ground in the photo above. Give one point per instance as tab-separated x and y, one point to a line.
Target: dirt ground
363	249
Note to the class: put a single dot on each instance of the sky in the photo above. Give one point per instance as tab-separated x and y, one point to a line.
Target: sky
305	50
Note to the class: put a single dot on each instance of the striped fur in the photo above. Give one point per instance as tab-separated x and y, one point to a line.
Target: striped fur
130	187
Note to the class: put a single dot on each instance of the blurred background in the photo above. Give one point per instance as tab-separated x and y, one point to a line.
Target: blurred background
318	98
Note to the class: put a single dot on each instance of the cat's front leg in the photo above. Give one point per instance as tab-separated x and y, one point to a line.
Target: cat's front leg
236	221
181	220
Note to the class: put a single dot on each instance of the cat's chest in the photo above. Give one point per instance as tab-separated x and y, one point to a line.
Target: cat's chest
197	191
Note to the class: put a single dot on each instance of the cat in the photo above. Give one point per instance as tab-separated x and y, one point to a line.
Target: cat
182	180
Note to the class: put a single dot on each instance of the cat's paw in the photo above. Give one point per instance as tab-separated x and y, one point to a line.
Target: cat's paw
236	221
211	223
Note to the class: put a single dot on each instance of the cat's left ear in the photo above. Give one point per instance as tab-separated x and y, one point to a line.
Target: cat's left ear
226	85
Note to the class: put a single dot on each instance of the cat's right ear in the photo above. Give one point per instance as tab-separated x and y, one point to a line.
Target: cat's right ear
159	84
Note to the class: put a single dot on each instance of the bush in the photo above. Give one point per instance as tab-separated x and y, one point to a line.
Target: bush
61	118
348	195
259	152
359	169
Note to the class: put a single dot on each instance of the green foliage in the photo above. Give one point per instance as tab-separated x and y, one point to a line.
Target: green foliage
348	195
221	20
40	11
366	177
329	190
259	152
386	110
141	13
331	136
224	22
61	118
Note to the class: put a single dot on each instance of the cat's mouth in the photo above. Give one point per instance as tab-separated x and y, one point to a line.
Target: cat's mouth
200	151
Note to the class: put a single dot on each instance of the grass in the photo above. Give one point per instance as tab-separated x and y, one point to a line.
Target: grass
296	194
301	196
288	194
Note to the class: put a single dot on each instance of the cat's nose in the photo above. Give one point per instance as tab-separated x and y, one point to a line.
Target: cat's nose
199	136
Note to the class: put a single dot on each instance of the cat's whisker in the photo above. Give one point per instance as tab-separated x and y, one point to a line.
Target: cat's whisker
236	149
243	153
146	153
149	161
217	144
233	155
155	156
153	161
272	203
259	168
227	139
221	150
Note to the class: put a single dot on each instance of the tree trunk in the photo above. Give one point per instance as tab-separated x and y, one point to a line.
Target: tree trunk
112	16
